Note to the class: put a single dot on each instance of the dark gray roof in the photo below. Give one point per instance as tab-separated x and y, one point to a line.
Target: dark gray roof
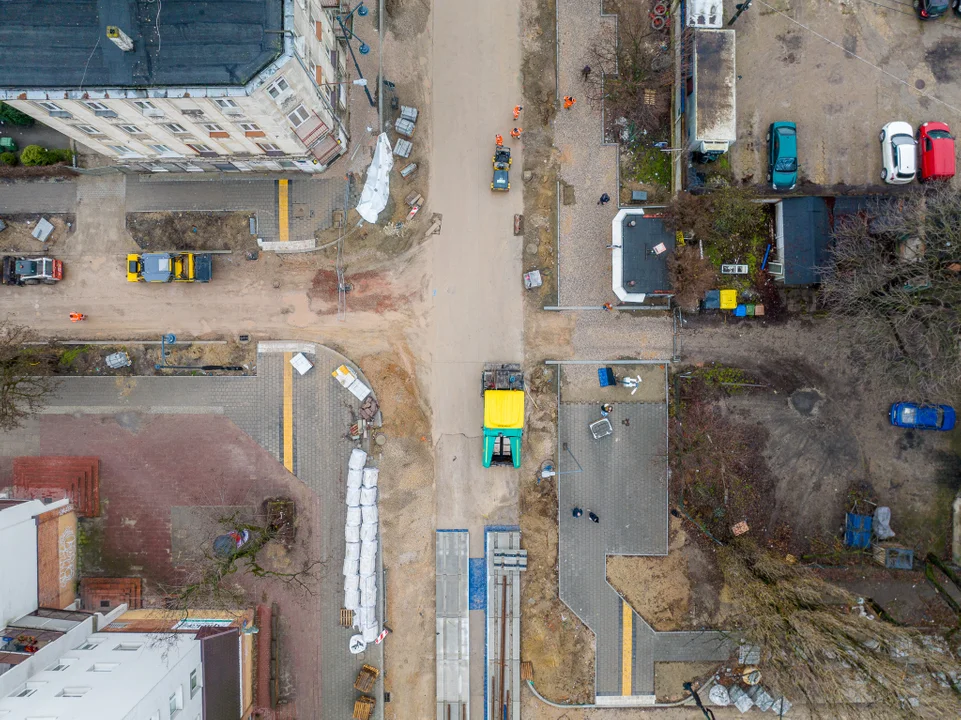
639	263
63	43
219	653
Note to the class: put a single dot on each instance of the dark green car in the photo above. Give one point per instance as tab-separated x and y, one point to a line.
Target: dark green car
782	169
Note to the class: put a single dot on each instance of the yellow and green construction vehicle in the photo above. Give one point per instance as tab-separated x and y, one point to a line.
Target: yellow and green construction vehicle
502	386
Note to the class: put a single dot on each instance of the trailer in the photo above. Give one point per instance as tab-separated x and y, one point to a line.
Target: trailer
711	107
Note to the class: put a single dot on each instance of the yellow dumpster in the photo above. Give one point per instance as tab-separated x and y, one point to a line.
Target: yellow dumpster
728	299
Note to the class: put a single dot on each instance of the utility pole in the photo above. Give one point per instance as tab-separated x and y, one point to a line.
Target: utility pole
741	7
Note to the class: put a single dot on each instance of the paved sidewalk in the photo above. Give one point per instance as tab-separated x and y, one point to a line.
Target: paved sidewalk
590	166
45	196
322	412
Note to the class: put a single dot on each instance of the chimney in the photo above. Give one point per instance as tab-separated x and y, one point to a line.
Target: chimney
120	38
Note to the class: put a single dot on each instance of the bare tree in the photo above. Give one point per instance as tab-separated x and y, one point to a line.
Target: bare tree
631	73
23	390
820	644
895	277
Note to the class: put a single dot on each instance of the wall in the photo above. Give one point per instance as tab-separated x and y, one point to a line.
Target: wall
130	684
18	559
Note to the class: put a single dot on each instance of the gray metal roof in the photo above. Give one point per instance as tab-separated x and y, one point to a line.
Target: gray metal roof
63	43
647	270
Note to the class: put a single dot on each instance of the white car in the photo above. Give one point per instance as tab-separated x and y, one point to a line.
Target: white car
899	153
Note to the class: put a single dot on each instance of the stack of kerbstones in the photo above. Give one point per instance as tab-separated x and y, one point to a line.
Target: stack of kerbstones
360	557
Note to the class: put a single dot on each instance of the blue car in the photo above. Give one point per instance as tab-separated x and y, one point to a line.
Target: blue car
923	417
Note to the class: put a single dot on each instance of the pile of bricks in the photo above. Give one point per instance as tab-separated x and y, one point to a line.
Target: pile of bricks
59	476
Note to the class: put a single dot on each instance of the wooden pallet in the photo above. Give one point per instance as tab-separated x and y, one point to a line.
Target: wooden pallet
366	678
364	707
527	670
346	618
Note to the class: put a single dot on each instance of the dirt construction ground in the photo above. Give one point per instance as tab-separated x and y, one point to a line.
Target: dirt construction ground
840	70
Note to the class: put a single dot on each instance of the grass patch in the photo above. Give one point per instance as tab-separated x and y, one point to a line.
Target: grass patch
650	166
67	357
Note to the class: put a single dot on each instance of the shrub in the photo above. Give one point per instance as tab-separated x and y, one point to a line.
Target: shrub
34	155
14	117
8	158
60	155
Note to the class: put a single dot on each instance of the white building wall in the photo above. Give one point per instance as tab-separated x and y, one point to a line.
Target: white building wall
105	682
18	558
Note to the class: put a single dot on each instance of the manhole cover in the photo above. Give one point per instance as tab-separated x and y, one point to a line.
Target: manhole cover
919	84
806	401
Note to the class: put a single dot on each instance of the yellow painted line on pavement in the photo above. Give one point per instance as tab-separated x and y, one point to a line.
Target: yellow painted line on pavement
627	648
288	411
282	217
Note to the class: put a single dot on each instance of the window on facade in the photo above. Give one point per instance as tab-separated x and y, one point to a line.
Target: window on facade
299	116
269	147
49	106
91	644
89	129
61	665
176	702
132	129
278	88
129	647
73	692
225	103
103	667
27	689
249	127
94	105
144	104
199	147
175	128
161	149
212	127
194	681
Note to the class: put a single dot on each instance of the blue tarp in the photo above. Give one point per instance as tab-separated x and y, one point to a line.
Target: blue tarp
478	584
857	530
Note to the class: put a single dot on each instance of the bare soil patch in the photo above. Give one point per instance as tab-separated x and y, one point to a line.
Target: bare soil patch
669	678
25	172
91	359
192	231
17	237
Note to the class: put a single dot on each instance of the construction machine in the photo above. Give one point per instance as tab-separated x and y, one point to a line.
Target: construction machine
502	386
31	271
165	267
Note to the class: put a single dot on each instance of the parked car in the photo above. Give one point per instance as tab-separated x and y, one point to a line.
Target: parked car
931	9
936	144
782	157
922	417
899	153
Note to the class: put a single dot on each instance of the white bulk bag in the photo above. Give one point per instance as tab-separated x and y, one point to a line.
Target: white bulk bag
371	632
370	477
367	566
355	478
352	533
353	516
351	583
353	496
368	496
352	600
368	532
351	567
369	513
358	458
353	551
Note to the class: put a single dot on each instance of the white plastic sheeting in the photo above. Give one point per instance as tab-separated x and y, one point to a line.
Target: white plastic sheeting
373	199
370	477
882	521
358	458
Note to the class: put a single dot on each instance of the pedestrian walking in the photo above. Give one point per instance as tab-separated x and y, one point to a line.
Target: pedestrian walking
499	140
516	132
77	317
569	102
593	516
608	307
577	512
517	111
605	198
586	73
606	409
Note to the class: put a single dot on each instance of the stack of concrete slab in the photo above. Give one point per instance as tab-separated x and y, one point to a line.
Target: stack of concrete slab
360	556
506	560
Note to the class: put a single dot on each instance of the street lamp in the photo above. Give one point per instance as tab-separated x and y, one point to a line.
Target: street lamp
361	10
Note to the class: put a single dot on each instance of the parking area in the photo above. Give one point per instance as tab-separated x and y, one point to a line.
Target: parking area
840	71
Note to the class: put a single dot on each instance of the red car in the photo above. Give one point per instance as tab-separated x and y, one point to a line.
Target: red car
936	145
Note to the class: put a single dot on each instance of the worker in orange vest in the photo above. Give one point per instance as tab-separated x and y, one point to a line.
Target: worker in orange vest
77	317
568	102
516	132
499	140
517	111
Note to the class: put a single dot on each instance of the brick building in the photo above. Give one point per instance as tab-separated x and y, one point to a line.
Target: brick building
221	86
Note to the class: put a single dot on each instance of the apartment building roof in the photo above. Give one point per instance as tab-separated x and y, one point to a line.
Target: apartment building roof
63	44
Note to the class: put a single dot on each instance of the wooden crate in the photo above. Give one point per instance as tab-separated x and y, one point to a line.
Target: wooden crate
364	707
366	678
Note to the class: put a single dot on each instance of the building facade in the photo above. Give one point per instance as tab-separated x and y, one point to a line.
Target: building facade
260	86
